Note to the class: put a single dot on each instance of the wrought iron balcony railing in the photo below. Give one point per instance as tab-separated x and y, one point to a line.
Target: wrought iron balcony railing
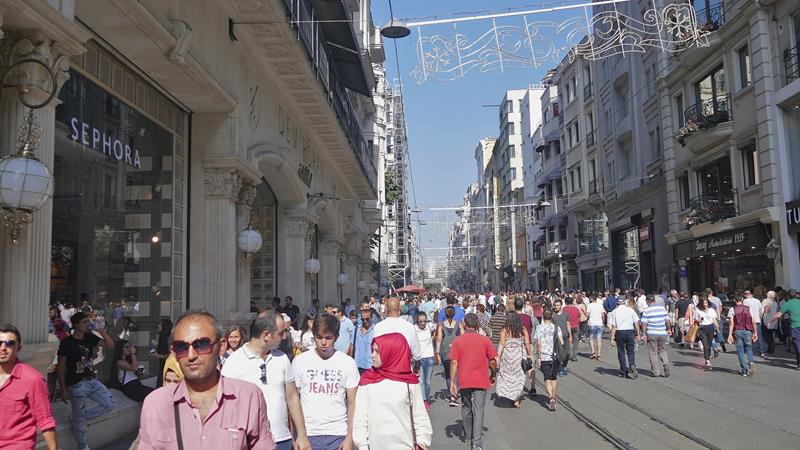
791	60
710	19
301	15
709	112
712	207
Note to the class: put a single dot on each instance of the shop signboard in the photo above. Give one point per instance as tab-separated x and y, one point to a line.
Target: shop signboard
793	216
741	239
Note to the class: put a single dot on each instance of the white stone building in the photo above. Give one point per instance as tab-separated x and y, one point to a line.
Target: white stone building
269	124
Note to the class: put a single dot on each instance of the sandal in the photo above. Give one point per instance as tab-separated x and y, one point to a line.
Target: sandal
517	404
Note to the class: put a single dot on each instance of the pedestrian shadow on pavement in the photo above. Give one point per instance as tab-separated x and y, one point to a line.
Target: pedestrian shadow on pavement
457	430
699	366
607	371
500	402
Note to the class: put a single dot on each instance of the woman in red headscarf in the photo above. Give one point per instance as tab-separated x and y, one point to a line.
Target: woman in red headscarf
390	413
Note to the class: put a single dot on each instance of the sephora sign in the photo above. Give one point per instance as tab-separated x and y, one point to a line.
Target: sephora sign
109	145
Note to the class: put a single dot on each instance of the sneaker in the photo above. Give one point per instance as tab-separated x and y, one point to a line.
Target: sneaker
762	356
708	367
552	405
572	358
427	405
666	370
716	352
744	373
634	372
751	369
453	401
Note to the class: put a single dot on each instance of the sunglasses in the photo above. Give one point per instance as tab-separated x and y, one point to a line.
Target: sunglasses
202	346
9	343
263	374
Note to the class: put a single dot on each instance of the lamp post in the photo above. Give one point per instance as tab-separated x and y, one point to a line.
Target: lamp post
25	182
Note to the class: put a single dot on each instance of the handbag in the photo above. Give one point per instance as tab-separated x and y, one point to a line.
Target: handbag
526	362
691	335
411	414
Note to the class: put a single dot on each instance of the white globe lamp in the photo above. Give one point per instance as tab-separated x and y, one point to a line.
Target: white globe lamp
312	266
249	242
342	279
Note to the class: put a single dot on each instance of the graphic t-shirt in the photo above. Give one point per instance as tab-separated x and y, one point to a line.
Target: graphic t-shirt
322	384
79	354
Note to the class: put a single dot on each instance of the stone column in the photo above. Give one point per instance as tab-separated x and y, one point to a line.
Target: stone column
292	228
222	188
329	269
25	267
351	269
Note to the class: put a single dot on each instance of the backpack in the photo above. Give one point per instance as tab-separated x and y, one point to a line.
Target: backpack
448	336
560	352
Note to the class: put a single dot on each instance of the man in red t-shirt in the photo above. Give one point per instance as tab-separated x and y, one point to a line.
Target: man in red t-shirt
574	314
472	357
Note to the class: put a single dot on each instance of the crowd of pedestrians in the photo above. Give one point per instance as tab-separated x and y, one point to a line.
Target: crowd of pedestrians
348	375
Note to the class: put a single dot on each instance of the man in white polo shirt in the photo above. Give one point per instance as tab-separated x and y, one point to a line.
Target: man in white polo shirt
394	324
261	363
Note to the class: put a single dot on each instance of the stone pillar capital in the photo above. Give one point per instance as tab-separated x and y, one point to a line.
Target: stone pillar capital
329	246
223	183
31	78
296	226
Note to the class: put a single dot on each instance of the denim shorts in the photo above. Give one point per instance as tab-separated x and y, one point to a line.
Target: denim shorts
595	331
326	442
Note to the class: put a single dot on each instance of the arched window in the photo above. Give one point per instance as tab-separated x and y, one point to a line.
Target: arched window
263	270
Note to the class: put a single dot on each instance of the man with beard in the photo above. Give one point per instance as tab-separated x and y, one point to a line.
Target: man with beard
205	410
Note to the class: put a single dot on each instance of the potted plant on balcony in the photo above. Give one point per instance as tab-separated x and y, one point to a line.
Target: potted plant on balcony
687	130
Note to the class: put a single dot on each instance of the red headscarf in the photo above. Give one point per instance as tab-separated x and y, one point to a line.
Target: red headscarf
395	361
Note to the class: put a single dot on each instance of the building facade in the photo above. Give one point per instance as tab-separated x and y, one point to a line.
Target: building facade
175	131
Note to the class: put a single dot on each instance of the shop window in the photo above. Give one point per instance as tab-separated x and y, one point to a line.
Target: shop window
679	108
683	188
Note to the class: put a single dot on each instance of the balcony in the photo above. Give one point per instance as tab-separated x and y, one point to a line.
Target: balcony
712	207
594	187
710	19
702	117
327	62
791	61
587	92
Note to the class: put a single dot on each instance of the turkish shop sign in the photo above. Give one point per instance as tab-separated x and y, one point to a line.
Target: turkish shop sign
743	239
109	145
793	216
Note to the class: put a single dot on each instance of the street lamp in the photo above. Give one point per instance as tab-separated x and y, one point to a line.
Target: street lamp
395	29
25	182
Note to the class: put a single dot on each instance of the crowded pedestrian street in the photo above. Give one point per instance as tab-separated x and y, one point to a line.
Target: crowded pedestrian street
399	225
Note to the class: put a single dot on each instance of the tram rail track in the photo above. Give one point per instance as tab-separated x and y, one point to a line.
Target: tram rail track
608	434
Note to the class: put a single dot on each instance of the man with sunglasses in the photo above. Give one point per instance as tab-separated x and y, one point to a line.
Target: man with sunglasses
206	411
24	393
261	362
327	380
76	377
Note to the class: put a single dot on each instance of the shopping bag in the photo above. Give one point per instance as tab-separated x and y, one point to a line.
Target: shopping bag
691	335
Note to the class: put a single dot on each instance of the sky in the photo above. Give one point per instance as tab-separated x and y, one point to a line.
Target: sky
445	120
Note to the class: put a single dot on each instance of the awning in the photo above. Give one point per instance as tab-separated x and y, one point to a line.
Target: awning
342	43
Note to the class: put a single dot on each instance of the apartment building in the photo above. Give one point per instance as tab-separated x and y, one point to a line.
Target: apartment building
729	112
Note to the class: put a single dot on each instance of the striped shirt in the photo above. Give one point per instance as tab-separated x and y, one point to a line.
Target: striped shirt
656	319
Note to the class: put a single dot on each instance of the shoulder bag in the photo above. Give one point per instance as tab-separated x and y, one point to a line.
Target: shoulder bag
411	415
178	435
559	351
527	363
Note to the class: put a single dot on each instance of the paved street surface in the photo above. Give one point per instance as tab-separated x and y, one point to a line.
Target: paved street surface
690	410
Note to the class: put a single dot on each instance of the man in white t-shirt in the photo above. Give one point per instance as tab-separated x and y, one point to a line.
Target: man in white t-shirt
755	310
596	313
424	330
327	380
261	363
394	324
641	301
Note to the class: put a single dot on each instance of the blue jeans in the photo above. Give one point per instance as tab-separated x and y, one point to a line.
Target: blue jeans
744	345
426	366
625	349
762	344
88	389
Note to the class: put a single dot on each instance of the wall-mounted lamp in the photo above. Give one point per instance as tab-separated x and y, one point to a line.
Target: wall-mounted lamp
25	182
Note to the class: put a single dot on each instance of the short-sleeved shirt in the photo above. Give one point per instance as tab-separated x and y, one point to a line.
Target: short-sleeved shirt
243	364
682	305
655	317
80	357
473	352
595	312
237	420
545	335
347	334
562	322
24	395
459	317
792	307
323	385
624	318
755	308
496	324
526	322
574	314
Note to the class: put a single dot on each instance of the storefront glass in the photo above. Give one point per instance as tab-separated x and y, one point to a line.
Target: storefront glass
118	206
262	270
626	259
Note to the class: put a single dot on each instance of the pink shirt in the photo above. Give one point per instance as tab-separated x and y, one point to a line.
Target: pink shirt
237	421
24	407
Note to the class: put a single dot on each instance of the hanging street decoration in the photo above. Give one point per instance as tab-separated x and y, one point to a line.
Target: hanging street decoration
531	44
